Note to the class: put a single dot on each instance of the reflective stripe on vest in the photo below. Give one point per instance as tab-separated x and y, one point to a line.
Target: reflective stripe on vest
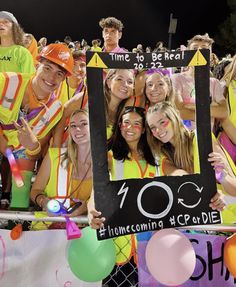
41	125
63	182
11	89
45	120
59	184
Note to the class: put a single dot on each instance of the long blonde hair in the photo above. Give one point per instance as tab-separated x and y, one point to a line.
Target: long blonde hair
107	91
181	154
71	153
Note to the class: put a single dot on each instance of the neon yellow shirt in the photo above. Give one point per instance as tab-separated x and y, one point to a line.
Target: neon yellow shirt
17	59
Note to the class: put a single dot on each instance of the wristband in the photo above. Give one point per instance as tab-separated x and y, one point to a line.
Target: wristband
35	151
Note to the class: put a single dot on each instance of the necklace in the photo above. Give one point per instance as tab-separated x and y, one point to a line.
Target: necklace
78	186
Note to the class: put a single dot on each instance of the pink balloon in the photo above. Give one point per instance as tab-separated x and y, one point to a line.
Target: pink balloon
170	257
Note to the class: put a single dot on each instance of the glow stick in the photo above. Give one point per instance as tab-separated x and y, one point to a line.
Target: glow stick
16	173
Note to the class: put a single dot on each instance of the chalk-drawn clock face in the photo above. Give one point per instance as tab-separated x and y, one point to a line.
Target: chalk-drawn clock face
163	188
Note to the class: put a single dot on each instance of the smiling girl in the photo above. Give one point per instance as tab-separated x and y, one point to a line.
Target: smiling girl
66	173
169	138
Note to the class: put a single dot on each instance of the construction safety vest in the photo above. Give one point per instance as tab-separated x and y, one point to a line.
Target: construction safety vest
126	246
229	213
58	186
12	90
64	92
222	135
232	101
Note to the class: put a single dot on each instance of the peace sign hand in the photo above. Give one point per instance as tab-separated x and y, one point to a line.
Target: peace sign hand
26	136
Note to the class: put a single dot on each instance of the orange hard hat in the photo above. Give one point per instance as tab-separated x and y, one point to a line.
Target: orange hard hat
59	54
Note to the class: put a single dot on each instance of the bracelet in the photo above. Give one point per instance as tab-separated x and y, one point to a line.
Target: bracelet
35	151
36	199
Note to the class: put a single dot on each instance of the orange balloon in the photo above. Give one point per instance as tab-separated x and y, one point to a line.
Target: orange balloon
230	254
16	232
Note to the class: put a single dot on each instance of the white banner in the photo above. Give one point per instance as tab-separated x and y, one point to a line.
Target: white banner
36	259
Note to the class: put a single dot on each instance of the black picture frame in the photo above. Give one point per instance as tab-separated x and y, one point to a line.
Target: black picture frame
137	205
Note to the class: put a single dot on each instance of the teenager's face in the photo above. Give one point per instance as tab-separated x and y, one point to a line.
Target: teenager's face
156	88
131	127
49	76
111	36
199	45
161	127
79	128
79	70
5	27
122	84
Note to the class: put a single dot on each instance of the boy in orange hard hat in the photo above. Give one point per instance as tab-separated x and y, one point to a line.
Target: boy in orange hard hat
29	110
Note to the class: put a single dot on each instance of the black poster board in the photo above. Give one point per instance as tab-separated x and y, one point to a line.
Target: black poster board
138	205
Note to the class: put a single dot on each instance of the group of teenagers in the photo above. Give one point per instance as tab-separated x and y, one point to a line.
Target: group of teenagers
44	120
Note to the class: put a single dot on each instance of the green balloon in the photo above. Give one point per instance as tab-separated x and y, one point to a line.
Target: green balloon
89	259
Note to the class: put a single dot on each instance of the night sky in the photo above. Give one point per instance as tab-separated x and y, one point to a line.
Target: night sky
145	21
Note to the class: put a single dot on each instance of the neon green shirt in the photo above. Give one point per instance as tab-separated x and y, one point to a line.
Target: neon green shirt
17	59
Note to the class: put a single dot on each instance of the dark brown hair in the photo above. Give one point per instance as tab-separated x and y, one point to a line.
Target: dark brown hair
111	22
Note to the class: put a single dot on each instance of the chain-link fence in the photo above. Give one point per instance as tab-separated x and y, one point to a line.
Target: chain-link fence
121	275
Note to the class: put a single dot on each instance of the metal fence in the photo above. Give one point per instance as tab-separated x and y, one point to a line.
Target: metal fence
125	275
122	275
